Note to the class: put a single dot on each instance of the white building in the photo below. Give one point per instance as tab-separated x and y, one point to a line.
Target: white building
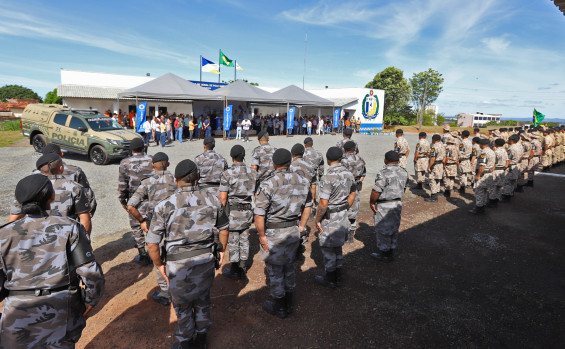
476	120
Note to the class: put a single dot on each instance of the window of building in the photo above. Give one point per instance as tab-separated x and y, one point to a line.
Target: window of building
60	119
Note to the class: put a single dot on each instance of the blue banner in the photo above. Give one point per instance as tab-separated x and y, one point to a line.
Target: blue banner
227	117
140	116
290	118
337	115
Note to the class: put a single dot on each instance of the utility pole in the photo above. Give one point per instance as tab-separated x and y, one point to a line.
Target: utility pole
423	103
304	71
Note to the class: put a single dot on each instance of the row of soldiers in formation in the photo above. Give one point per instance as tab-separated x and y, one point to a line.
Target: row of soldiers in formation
189	218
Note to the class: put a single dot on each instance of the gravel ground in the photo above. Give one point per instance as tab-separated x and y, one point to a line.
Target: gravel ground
110	216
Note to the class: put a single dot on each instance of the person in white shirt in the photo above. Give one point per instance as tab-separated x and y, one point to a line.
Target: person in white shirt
246	125
309	127
147	130
320	126
238	130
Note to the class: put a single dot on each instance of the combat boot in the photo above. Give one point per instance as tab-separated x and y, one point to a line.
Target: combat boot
276	307
142	258
431	198
288	300
447	193
383	256
328	280
505	198
418	186
530	184
338	276
158	297
462	190
183	345
350	235
233	272
200	341
519	189
477	210
492	203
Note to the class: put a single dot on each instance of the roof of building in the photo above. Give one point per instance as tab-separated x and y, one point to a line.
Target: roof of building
340	102
295	95
82	91
170	86
16	104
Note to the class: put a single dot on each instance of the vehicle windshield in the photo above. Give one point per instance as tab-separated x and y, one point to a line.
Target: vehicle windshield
103	123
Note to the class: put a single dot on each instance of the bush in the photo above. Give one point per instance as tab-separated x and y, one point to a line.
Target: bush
10	125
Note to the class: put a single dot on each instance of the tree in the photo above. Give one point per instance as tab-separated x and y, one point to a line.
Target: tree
426	87
17	92
52	98
244	80
440	119
402	116
428	119
397	91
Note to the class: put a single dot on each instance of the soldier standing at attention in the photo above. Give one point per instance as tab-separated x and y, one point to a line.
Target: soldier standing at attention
465	152
187	222
316	160
153	190
514	152
211	165
337	194
499	172
475	152
262	157
435	167
282	209
534	163
133	170
421	160
450	164
44	306
347	138
526	144
356	165
70	197
386	203
301	166
446	133
402	148
483	178
237	186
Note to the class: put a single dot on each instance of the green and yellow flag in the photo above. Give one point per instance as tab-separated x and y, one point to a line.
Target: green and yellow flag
538	118
225	60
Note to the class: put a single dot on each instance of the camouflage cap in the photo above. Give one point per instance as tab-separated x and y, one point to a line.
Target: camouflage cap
446	127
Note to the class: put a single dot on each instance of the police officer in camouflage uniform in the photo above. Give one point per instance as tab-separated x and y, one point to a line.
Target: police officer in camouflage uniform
237	186
187	222
337	193
42	259
499	172
153	190
402	148
515	152
301	166
534	161
315	159
132	171
211	165
347	138
282	209
465	152
356	165
70	197
421	160
435	167
262	157
450	164
386	204
483	179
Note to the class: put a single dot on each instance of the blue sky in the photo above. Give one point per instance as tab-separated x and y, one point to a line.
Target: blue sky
497	56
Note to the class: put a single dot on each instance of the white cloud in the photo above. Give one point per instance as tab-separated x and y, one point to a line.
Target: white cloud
496	45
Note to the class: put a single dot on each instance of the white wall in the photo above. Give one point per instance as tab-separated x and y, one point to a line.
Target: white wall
74	77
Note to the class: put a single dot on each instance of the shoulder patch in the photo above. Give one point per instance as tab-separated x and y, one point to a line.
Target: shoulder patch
482	156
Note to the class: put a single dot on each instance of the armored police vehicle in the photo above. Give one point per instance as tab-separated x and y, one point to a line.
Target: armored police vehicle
83	131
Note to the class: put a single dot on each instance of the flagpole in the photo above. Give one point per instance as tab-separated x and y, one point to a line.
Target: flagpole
200	70
219	65
235	71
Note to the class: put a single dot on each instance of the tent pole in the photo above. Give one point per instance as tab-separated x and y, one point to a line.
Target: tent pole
200	70
287	110
235	71
219	65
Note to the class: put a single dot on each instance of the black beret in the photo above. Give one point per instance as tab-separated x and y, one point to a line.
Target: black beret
281	156
46	159
399	131
160	156
28	187
546	131
476	129
136	143
349	146
297	149
308	140
51	148
502	129
499	142
184	168
514	138
422	134
262	134
334	154
348	132
237	150
465	133
209	140
484	141
436	138
476	140
392	156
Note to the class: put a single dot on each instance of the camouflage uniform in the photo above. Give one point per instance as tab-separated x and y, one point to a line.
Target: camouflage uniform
239	182
210	166
475	152
547	157
356	165
390	182
316	160
450	172
499	173
282	198
436	174
554	150
186	221
487	159
262	157
421	165
133	170
514	152
36	253
534	163
465	171
342	142
335	186
151	191
523	164
304	168
70	199
401	147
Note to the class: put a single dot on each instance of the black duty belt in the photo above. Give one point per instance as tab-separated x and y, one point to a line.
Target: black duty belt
451	163
282	225
437	163
500	168
379	200
402	154
463	159
240	207
188	254
38	292
338	208
422	157
209	185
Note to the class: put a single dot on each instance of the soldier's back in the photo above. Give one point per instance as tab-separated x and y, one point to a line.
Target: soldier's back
286	193
239	182
133	170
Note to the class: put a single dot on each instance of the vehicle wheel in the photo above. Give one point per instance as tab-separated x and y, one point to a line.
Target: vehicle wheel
98	155
39	142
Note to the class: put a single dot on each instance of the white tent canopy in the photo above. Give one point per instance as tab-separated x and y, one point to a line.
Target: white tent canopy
172	87
242	91
297	96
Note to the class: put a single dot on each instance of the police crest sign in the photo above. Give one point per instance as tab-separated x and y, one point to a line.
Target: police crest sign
370	106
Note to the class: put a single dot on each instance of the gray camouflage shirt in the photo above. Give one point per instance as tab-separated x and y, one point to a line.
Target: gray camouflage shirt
133	170
316	159
355	164
239	182
210	166
303	168
390	182
336	185
153	190
262	157
345	140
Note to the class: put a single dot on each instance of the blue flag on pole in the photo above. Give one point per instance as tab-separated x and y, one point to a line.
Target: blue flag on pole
227	117
337	114
140	116
290	118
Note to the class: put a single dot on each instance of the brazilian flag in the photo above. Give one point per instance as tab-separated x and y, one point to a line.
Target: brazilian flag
224	60
538	118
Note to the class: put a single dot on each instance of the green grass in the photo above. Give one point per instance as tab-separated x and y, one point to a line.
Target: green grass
10	125
7	138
